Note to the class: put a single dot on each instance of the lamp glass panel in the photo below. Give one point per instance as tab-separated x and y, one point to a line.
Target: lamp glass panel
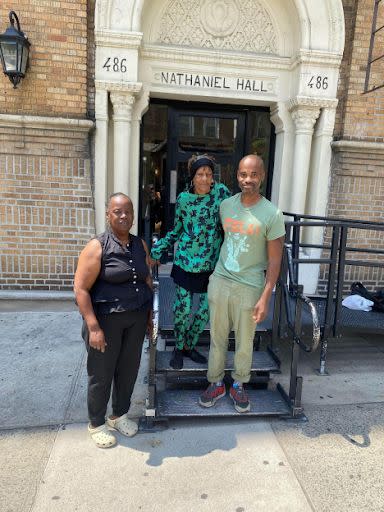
19	55
9	51
24	59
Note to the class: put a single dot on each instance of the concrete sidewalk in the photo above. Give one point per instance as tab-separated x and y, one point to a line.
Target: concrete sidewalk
48	462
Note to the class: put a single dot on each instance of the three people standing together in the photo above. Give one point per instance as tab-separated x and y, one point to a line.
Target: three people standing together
234	279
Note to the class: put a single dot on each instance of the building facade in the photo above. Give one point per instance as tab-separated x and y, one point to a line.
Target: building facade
120	93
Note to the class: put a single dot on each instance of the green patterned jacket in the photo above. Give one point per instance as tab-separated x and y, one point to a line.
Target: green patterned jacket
197	229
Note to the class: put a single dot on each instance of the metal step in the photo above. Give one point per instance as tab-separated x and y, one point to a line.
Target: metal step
184	403
261	362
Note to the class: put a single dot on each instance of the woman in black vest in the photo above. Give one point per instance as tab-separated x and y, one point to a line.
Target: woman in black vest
113	291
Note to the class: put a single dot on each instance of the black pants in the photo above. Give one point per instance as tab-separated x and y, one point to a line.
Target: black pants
124	334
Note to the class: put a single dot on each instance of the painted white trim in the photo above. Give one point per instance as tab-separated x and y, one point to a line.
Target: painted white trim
128	87
114	39
356	146
45	123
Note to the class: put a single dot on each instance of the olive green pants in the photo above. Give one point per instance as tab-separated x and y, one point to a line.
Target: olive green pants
230	308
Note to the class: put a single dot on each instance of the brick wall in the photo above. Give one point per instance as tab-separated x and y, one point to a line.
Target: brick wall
56	82
46	207
357	173
91	55
46	200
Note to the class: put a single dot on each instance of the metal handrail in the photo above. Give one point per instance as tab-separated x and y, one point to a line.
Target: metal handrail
297	218
296	291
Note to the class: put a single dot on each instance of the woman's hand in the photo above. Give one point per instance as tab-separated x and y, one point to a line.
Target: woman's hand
153	262
97	340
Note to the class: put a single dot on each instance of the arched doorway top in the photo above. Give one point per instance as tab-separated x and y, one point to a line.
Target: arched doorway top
320	24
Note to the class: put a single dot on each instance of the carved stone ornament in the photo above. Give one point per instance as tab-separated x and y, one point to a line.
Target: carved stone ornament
305	118
122	106
219	18
237	25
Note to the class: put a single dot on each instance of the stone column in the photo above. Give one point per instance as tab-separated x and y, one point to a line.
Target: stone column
318	188
101	157
282	173
304	117
318	184
140	107
122	115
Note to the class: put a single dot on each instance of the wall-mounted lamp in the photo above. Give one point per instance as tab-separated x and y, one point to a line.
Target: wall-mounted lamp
14	51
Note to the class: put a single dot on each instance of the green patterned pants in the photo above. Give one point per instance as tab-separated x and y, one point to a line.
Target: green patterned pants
187	327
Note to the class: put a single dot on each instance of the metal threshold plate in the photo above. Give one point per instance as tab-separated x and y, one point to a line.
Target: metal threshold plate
261	361
184	403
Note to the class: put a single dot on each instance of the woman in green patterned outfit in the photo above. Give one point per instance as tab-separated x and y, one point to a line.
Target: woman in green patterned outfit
198	231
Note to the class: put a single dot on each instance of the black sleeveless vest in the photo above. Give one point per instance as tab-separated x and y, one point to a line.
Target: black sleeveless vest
120	285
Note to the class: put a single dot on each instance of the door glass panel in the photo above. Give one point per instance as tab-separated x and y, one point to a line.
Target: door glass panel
259	129
170	136
154	170
206	133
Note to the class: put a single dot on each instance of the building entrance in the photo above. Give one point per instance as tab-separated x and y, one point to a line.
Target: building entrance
173	132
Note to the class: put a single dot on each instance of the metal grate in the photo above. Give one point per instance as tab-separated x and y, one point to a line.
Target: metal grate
184	403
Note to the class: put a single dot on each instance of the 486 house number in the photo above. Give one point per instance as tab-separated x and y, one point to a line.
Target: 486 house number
115	64
318	82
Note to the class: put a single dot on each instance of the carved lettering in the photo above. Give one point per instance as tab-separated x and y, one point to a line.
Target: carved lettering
214	82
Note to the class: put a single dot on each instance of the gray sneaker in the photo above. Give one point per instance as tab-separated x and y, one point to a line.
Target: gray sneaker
211	395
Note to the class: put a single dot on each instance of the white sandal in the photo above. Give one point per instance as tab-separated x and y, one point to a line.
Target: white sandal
102	437
124	425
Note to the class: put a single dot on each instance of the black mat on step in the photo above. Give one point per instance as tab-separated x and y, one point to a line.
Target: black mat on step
183	403
261	361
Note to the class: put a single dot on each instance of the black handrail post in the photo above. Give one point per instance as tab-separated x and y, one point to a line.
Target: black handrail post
277	323
150	410
329	301
340	278
276	313
295	348
296	248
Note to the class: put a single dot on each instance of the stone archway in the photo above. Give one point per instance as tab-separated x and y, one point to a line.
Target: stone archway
120	15
302	66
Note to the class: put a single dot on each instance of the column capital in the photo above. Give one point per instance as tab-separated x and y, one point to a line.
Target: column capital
122	103
304	117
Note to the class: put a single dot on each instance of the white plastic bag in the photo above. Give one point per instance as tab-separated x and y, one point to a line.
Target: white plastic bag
357	302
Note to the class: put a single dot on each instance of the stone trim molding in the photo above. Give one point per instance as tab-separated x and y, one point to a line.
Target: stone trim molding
316	57
130	40
127	87
45	123
357	146
37	295
199	56
308	101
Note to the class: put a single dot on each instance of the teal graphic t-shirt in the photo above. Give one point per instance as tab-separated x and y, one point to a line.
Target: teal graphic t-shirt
243	256
197	230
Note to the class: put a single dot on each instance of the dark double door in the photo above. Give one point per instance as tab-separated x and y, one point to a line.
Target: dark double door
172	133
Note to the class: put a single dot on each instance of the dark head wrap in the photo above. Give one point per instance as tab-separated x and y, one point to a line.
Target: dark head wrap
200	162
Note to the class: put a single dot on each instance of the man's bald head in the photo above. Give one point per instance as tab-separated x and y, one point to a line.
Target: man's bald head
254	161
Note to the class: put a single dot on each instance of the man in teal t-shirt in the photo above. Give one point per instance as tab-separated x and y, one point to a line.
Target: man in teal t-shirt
241	286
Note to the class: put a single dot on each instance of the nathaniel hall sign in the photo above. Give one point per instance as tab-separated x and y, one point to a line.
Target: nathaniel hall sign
214	82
